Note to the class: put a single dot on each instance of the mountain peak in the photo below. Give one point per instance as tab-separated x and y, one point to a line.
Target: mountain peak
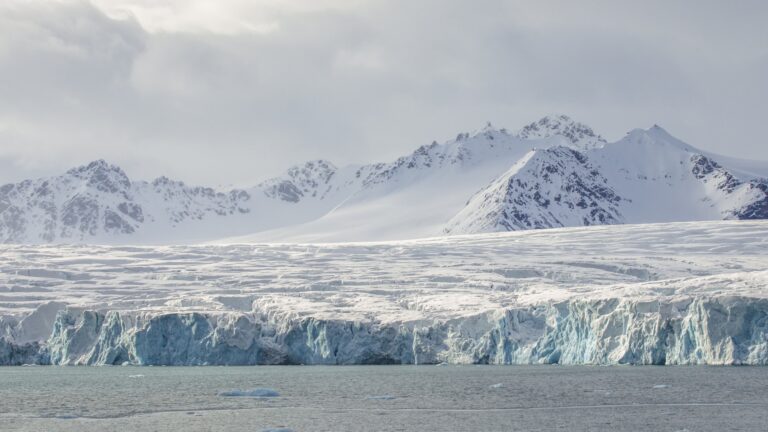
95	165
653	137
310	179
580	135
102	175
547	188
486	132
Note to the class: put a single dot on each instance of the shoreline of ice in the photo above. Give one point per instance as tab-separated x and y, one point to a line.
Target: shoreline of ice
717	331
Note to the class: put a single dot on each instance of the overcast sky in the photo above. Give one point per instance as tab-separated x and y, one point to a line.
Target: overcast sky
231	92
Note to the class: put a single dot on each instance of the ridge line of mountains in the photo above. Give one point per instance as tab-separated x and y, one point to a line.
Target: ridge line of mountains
555	172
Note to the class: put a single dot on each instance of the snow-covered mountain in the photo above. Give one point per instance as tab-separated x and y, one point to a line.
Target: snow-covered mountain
667	179
98	201
554	172
547	188
648	176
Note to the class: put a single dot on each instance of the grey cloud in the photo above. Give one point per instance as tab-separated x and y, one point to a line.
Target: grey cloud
367	82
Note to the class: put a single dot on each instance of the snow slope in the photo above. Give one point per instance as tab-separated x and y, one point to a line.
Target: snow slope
672	293
415	195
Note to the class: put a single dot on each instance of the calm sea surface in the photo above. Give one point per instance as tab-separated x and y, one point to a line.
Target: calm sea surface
384	398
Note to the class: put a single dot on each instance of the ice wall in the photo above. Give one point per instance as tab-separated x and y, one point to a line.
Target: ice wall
721	330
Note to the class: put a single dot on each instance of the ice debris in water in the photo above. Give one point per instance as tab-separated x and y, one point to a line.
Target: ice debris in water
497	385
257	392
380	397
277	430
136	376
660	386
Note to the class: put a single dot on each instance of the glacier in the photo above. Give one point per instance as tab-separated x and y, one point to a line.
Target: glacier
661	294
722	331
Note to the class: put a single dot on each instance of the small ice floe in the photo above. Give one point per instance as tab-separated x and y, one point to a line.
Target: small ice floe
380	397
442	364
277	430
66	416
136	376
255	393
497	385
660	386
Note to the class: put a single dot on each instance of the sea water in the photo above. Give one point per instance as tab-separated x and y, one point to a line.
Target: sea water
383	398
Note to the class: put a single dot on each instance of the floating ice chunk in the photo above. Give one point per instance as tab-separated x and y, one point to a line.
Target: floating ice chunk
497	385
380	397
257	392
277	430
136	376
660	386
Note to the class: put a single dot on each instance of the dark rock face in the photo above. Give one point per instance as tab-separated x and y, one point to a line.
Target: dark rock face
286	191
80	214
758	209
706	169
131	210
114	223
302	181
576	191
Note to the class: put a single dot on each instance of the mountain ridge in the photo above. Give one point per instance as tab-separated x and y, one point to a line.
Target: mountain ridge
569	176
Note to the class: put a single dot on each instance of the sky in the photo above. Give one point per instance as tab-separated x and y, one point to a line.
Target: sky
231	92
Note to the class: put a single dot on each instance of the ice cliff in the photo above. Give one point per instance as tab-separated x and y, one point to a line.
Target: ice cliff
714	331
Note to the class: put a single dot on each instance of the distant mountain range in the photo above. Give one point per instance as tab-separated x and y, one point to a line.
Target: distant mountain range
555	172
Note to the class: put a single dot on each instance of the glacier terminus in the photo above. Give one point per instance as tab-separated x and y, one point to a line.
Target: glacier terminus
666	293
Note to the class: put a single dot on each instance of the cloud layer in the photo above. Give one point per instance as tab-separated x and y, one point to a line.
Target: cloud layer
236	92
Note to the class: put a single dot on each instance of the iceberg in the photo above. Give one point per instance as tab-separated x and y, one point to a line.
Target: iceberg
255	393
